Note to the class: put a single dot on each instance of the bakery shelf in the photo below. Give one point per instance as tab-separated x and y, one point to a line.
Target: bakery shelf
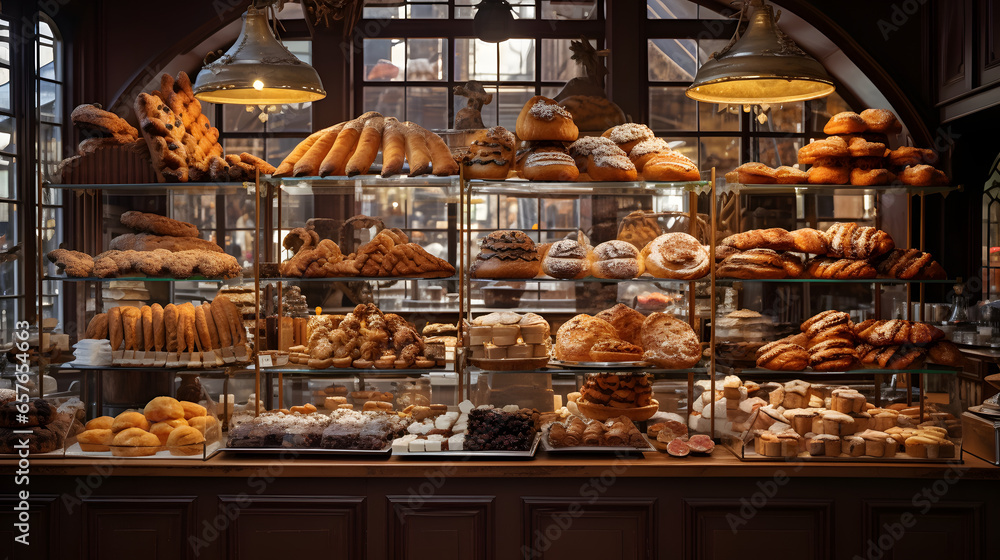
435	187
529	189
832	189
589	279
215	372
232	281
146	189
730	281
928	369
355	279
414	372
573	371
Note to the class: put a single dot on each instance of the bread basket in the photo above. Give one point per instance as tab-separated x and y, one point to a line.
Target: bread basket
602	413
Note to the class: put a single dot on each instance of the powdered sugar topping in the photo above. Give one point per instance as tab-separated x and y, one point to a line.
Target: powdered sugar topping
548	111
586	145
610	155
652	145
630	132
539	159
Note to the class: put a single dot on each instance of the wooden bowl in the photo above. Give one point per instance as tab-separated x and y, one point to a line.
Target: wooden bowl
602	413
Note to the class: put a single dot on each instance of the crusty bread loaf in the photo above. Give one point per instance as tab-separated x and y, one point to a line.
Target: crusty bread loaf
576	337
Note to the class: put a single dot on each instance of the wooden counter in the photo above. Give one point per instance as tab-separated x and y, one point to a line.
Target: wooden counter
721	463
658	507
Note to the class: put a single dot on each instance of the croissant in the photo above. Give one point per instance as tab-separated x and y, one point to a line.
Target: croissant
804	240
897	331
848	239
839	269
907	264
890	357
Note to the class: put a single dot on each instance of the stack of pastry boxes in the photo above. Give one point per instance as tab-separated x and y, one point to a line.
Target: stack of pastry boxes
507	335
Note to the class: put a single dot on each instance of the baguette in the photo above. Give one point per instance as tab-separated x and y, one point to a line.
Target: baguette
147	328
170	327
393	147
213	333
308	164
288	164
417	152
442	163
222	322
368	145
159	336
335	162
203	340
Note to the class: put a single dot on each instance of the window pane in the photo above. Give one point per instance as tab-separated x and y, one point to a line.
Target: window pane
820	110
294	117
475	60
551	91
721	153
670	109
557	62
719	117
517	60
47	63
50	95
672	60
778	151
424	61
50	141
686	146
4	41
671	9
384	59
253	146
786	117
8	184
398	12
7	143
385	100
569	11
426	11
8	225
5	89
279	148
241	118
427	107
464	9
512	100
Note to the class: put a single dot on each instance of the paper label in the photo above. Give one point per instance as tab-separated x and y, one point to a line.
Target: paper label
265	360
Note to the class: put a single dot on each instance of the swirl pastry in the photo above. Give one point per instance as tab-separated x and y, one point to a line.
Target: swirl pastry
849	240
760	264
804	240
909	264
782	356
839	269
677	256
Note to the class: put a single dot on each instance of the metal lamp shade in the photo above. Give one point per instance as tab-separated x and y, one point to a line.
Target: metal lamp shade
764	66
258	70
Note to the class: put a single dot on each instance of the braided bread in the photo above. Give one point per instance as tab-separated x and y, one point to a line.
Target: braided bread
839	269
760	263
836	354
897	331
804	240
891	357
907	264
848	239
782	356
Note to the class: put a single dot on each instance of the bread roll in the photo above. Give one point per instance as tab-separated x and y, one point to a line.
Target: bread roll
567	259
163	408
135	442
129	419
185	441
617	259
576	337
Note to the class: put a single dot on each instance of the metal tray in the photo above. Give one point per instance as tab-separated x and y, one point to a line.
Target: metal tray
470	455
311	451
595	449
600	365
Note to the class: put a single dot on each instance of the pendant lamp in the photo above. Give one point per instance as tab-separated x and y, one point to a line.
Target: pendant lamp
258	70
762	66
493	20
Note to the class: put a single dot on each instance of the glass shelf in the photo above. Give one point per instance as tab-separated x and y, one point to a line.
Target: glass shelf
731	281
355	279
157	188
302	186
529	189
232	281
143	369
286	370
552	369
929	369
831	189
590	279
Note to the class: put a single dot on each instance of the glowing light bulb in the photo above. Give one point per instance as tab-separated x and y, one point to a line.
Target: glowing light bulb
258	85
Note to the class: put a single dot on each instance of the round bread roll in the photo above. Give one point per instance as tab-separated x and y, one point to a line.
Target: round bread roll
529	149
627	135
542	118
95	439
610	163
185	441
677	256
669	343
670	167
207	425
133	442
786	175
847	122
567	259
163	408
827	148
486	166
193	409
617	259
823	175
130	419
576	337
163	429
626	321
100	423
755	173
646	150
583	147
493	140
550	166
882	121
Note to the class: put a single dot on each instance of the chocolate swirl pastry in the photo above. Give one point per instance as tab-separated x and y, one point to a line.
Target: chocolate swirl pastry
890	357
506	254
910	264
839	269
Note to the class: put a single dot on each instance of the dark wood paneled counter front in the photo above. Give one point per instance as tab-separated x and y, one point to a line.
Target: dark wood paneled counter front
580	508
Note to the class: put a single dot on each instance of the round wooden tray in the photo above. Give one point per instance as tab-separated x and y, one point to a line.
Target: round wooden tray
602	413
510	364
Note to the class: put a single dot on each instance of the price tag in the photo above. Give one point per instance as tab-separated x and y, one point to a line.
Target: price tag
265	360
